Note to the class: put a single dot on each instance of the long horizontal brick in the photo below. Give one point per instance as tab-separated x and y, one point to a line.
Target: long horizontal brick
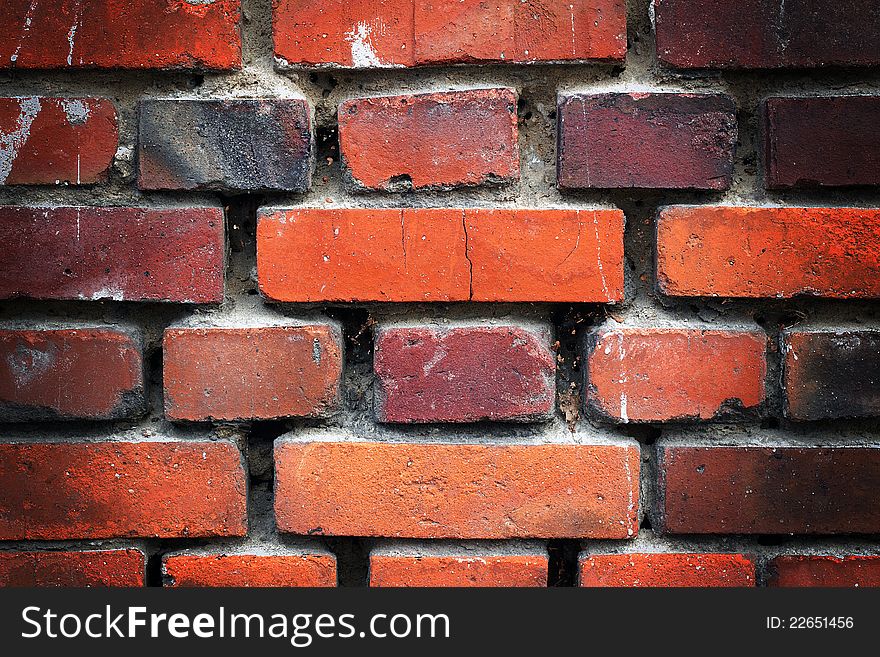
825	571
767	33
822	142
238	145
125	254
48	141
769	490
769	252
90	490
426	254
645	140
441	140
464	374
664	569
666	374
831	374
88	372
135	34
71	568
259	372
394	33
433	490
246	570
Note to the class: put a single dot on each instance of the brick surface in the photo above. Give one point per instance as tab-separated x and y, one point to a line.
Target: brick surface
91	373
827	571
246	570
72	568
153	34
769	252
261	372
646	140
464	374
85	490
443	140
663	375
433	490
769	490
475	569
662	569
49	141
124	254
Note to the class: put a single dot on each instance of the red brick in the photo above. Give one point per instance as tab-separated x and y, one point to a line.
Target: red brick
803	571
90	490
646	140
660	375
663	569
769	490
822	142
769	252
766	33
72	568
259	372
57	140
464	374
421	254
93	373
246	570
434	490
125	254
158	34
431	140
393	33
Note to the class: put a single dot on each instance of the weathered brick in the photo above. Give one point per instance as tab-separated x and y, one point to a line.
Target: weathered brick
157	34
427	254
250	569
822	142
826	571
50	141
90	490
258	372
831	374
72	568
125	254
93	373
646	140
238	145
666	374
769	490
664	569
435	490
767	33
769	252
464	374
440	140
393	33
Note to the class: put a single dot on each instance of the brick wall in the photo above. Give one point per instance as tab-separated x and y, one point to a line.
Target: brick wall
440	293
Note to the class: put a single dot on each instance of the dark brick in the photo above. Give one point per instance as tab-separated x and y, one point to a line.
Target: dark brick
71	568
827	571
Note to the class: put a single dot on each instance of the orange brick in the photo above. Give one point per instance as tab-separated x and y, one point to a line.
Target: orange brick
666	570
246	570
827	571
72	568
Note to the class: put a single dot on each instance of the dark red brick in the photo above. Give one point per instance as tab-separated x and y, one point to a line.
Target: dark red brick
72	568
259	569
664	569
827	571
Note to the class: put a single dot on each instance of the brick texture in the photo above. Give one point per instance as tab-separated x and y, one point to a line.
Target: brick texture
72	568
827	571
666	570
246	570
473	569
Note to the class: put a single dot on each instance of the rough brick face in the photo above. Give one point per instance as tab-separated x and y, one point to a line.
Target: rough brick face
420	254
831	374
474	569
767	33
260	372
246	570
662	375
769	252
159	34
769	490
646	140
666	570
85	490
91	373
394	33
430	140
463	374
432	490
827	571
72	568
238	145
125	254
48	141
822	142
